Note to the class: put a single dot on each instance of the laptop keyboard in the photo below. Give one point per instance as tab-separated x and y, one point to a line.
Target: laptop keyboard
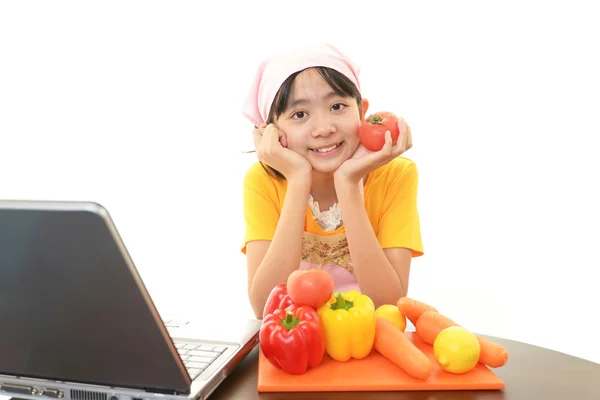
197	357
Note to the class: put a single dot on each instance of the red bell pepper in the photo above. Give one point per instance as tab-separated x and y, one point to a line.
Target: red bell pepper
278	298
292	339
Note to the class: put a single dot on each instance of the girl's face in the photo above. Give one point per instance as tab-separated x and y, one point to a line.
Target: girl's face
319	124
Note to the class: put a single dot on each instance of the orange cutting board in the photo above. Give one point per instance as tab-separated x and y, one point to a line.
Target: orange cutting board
373	373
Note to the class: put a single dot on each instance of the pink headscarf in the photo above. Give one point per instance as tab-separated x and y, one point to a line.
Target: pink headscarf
273	71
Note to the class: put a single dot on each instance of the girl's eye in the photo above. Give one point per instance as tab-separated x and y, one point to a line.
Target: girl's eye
299	115
338	106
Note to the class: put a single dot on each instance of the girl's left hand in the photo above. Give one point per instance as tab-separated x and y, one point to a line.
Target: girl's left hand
364	161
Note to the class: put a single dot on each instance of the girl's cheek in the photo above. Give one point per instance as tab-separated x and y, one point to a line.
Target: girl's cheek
297	141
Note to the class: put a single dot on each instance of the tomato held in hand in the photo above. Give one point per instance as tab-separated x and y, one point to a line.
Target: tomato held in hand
372	130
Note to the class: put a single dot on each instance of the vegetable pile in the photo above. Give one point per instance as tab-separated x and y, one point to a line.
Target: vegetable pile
292	336
304	320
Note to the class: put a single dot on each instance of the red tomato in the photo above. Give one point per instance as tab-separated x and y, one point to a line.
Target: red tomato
372	130
311	287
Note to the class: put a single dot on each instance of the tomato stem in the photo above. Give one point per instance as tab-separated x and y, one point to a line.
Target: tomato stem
374	119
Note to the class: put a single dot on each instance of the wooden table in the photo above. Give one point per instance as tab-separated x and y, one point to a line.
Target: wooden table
531	373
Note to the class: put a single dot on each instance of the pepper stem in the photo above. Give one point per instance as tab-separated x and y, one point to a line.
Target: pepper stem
289	321
341	303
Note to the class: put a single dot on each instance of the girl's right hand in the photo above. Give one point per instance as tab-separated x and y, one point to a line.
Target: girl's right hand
269	149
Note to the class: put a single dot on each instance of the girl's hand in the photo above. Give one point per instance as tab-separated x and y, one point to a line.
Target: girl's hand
364	161
270	144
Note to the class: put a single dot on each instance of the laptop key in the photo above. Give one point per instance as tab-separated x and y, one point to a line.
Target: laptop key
200	353
219	349
201	360
196	365
194	372
192	346
207	347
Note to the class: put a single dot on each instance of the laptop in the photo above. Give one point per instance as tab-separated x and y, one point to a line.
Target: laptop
77	323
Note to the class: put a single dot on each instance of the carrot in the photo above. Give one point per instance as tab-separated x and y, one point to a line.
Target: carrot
492	354
412	309
393	344
431	323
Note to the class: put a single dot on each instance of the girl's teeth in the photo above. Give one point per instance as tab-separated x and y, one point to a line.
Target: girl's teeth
326	149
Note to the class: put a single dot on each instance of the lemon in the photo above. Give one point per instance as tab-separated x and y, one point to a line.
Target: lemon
456	350
392	314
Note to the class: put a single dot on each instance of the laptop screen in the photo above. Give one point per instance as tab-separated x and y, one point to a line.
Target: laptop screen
71	308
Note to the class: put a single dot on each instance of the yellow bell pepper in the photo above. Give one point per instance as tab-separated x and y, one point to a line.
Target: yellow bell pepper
348	321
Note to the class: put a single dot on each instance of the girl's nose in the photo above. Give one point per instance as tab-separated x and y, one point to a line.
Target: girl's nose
323	128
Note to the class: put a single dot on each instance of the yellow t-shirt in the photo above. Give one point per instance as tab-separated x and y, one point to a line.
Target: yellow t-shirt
390	194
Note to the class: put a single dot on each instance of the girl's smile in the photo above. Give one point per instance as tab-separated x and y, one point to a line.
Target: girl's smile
327	150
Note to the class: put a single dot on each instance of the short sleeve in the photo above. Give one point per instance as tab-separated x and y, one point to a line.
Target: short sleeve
399	225
261	205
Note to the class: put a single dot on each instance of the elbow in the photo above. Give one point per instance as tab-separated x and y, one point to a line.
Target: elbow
402	292
381	300
258	312
390	297
255	303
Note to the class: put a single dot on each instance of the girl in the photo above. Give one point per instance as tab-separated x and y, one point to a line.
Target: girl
317	196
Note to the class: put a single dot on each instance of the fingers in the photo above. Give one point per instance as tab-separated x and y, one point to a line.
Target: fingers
257	135
273	134
404	139
360	152
408	136
403	134
264	131
259	143
388	146
384	153
389	149
283	140
403	143
268	141
278	138
374	159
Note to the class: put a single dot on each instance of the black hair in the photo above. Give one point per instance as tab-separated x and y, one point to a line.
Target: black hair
339	83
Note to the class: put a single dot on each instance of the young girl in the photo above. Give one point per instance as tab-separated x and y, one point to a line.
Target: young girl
317	196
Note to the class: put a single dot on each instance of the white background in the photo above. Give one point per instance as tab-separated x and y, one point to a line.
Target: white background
136	105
